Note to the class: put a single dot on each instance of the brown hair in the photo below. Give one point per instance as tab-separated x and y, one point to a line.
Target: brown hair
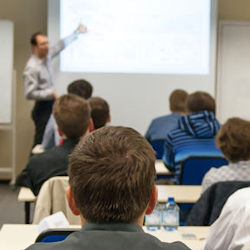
72	115
200	101
99	111
233	139
177	101
81	88
33	40
112	172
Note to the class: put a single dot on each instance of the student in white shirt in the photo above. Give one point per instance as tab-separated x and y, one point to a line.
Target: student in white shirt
231	231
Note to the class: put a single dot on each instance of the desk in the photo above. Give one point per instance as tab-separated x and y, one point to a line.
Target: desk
25	195
25	235
161	168
181	193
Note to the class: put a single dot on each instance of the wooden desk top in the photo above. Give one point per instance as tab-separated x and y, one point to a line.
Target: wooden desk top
161	169
26	195
181	193
25	235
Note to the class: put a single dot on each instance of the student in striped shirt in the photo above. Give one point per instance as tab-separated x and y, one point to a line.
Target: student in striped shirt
196	130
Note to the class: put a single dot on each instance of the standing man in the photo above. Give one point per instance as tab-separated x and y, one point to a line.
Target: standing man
38	78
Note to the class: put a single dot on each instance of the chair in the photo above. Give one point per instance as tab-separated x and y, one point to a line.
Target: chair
194	161
158	146
194	168
54	235
52	198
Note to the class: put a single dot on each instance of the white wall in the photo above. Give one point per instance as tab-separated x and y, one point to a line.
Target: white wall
135	99
233	70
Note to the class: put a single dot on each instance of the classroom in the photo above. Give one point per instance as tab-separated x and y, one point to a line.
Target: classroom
134	94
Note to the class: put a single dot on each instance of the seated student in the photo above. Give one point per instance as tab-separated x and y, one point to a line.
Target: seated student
199	127
99	112
234	141
51	138
111	178
231	230
161	126
72	115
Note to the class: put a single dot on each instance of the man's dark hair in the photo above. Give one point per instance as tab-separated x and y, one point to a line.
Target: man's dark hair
177	101
112	173
33	40
200	101
81	88
233	139
99	111
72	115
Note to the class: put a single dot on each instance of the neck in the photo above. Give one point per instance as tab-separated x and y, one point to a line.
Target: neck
38	56
139	221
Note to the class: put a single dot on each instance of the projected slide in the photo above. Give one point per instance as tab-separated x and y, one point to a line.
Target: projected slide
137	36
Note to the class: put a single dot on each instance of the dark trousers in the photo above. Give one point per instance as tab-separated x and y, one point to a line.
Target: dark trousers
40	115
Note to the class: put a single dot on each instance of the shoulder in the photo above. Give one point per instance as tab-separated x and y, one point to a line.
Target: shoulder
151	242
169	117
210	176
32	65
46	156
239	196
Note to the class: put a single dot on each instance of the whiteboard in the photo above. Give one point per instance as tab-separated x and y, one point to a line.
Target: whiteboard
135	99
233	82
6	70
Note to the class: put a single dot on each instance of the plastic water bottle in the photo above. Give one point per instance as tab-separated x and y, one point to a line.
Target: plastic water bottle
170	215
153	221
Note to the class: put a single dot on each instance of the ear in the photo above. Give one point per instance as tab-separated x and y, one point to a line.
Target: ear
109	119
91	125
59	131
152	200
71	201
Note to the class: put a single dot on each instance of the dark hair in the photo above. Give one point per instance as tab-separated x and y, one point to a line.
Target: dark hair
233	139
81	88
33	40
72	115
177	101
99	111
200	101
111	173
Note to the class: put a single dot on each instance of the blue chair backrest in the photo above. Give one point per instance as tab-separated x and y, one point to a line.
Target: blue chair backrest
54	235
194	161
158	147
194	168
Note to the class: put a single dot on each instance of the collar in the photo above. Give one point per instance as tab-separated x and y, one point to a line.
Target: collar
130	227
70	141
240	164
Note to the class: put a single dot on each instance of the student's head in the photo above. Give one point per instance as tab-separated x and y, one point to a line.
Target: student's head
200	101
99	111
111	176
233	139
40	44
81	88
177	101
72	115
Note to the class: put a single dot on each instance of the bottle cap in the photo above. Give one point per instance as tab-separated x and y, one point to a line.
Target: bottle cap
171	200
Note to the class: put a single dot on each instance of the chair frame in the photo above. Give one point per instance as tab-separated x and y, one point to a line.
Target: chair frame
55	232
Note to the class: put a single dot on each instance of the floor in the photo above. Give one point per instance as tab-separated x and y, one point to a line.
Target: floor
11	211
